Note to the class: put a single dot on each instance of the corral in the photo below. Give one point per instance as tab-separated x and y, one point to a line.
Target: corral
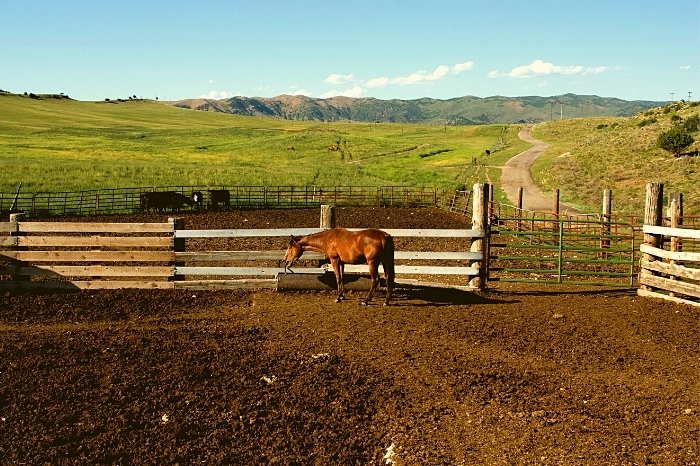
544	375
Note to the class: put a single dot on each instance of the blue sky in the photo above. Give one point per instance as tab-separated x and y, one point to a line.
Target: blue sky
402	49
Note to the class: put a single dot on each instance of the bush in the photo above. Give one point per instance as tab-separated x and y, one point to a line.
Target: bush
647	121
692	124
675	140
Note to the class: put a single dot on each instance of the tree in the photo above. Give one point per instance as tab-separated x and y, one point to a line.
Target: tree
675	140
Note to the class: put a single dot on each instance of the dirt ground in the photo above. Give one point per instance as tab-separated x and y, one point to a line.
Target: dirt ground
514	375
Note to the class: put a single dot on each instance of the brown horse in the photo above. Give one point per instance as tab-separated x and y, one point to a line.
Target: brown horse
342	246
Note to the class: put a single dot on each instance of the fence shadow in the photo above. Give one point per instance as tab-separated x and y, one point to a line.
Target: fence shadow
613	292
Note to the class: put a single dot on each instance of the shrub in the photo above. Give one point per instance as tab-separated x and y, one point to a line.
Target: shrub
647	121
692	124
675	140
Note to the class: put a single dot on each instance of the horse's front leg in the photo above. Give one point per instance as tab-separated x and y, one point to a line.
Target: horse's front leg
338	269
374	278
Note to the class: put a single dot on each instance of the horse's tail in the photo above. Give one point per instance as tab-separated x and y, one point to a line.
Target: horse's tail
388	263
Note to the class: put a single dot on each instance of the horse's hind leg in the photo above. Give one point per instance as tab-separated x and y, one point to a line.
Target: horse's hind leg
374	276
338	270
389	288
389	277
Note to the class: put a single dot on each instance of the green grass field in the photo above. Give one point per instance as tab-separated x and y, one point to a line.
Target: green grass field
55	145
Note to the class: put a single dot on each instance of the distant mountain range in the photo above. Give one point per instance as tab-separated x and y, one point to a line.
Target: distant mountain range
468	110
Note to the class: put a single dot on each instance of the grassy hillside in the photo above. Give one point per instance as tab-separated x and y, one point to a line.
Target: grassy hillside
589	155
64	145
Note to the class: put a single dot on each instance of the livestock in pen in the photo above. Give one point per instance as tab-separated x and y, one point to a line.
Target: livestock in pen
197	200
160	201
220	196
371	246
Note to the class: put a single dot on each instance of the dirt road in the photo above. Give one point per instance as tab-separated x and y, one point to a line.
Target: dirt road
516	173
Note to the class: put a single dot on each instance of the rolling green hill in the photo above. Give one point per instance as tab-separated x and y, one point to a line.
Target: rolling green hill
467	110
58	144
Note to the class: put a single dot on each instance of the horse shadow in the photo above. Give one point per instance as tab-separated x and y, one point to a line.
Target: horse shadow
429	295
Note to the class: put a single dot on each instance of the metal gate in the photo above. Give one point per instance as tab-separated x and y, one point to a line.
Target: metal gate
563	250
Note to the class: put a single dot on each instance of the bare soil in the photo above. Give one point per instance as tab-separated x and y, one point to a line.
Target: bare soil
514	375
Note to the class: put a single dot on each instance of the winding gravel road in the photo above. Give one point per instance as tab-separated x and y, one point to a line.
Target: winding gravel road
516	173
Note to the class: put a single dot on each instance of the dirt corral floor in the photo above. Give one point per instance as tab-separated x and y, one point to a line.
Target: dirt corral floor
510	376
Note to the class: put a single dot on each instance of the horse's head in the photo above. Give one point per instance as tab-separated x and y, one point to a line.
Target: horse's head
294	252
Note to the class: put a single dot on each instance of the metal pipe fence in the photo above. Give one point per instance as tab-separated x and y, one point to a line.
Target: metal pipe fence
564	251
127	200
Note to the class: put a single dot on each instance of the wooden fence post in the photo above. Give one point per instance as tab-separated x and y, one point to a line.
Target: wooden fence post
652	216
480	222
676	215
327	216
16	218
605	226
179	244
675	212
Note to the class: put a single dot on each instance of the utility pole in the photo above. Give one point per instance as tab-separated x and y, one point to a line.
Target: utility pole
551	110
689	92
672	96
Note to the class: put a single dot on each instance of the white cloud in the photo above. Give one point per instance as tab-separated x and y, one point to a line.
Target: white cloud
339	78
460	67
418	77
355	91
596	70
216	95
439	73
542	68
685	67
377	82
422	76
413	78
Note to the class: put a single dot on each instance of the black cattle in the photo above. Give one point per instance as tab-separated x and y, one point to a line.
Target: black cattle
160	201
197	199
220	196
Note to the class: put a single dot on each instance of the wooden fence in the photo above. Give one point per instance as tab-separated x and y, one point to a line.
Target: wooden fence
86	255
667	270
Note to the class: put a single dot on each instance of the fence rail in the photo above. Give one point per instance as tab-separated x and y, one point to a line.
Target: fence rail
670	274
